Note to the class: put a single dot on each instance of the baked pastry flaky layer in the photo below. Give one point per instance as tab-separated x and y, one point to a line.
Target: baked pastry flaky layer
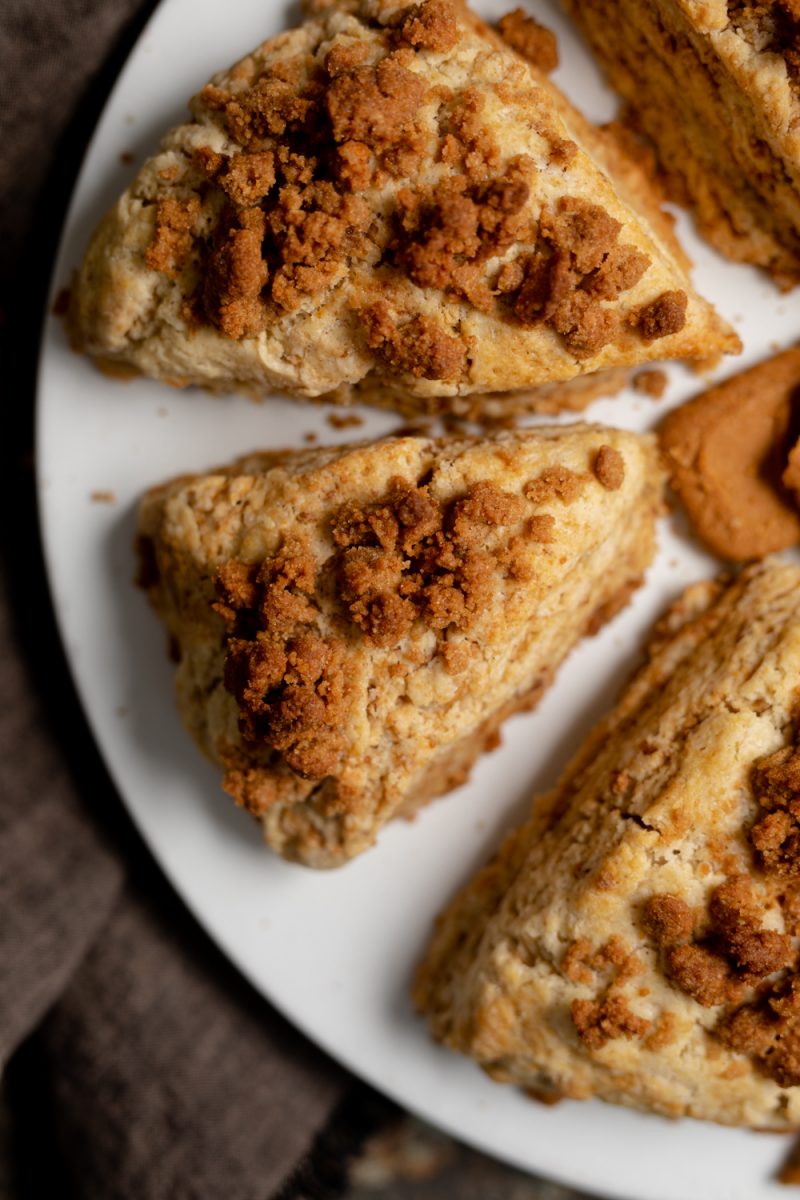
637	939
715	84
387	195
353	624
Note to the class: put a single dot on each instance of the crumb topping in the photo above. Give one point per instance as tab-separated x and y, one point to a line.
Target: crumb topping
614	960
171	243
725	956
609	467
244	178
446	237
288	681
664	316
578	265
668	920
600	1021
530	39
429	26
377	106
768	1030
733	953
410	557
467	142
402	559
236	275
418	345
775	835
555	483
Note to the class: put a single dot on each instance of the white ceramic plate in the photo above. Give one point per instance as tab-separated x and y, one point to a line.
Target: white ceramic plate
335	951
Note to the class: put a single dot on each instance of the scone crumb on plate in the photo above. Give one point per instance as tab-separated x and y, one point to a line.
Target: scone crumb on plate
651	383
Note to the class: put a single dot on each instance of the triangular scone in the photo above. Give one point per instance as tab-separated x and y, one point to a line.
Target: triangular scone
353	624
637	940
389	193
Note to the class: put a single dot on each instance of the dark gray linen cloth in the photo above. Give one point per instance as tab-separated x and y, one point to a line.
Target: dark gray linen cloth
138	1064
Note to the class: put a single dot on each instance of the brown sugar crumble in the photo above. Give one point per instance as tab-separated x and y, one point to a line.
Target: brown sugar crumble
555	483
735	953
447	236
609	467
420	346
664	316
530	39
600	1021
579	265
613	960
668	920
403	558
429	26
408	557
287	679
775	835
172	236
729	959
236	276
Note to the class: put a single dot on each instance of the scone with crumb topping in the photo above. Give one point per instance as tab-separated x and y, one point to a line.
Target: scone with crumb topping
637	940
715	86
353	624
389	197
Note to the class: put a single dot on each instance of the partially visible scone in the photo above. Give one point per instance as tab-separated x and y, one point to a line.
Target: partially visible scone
733	459
715	84
637	940
393	195
353	624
